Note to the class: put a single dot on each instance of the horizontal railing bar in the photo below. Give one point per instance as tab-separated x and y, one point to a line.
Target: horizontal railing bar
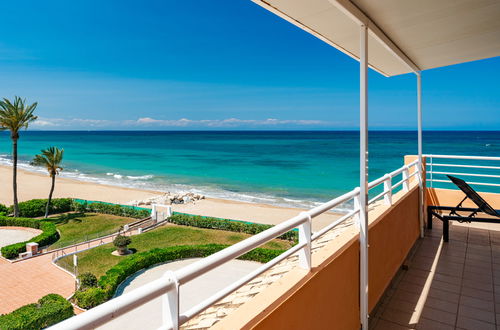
314	212
377	182
195	269
206	264
398	184
110	310
412	174
477	183
398	171
467	166
463	157
193	311
333	224
467	174
382	194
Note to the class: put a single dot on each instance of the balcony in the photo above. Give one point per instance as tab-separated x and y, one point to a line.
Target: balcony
413	282
337	277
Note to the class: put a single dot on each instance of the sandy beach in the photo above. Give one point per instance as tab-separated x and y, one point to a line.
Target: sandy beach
34	185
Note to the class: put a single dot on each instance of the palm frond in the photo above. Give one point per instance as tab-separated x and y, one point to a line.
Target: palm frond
16	115
51	159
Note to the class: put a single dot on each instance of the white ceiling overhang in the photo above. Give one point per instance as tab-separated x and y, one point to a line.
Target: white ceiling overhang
405	35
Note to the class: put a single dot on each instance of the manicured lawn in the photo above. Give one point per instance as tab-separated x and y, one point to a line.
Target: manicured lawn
78	227
100	259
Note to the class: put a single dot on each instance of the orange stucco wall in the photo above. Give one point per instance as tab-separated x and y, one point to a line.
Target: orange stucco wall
451	197
327	297
330	296
391	237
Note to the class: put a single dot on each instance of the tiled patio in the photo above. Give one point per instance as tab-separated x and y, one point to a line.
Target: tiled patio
453	285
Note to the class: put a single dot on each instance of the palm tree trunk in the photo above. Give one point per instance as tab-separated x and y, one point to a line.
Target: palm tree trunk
14	175
53	177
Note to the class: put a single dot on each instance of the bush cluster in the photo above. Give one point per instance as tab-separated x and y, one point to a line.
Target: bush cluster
114	209
48	236
49	310
121	241
4	210
87	280
224	224
36	207
109	282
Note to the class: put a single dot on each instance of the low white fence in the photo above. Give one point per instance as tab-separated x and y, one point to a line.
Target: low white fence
483	172
168	285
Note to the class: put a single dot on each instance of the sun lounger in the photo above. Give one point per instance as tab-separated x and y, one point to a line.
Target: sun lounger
463	214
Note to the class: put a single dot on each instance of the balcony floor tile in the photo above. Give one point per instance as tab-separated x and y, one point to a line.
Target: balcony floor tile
454	285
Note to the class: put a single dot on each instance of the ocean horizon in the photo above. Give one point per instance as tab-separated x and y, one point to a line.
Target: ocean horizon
284	168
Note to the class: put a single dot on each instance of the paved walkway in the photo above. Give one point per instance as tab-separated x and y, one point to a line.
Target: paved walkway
453	285
149	315
24	282
27	281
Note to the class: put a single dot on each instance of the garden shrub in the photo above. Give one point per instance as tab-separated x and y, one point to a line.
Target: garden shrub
108	283
49	310
36	207
4	210
48	236
114	209
121	241
224	224
87	280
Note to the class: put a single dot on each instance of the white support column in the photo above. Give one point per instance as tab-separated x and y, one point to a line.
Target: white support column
420	160
363	176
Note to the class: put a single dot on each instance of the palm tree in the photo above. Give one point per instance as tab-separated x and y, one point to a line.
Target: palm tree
51	159
13	117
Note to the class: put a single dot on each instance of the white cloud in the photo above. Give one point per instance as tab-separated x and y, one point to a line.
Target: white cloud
69	123
148	122
229	122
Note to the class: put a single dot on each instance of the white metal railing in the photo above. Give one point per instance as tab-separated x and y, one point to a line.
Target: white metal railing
487	172
168	285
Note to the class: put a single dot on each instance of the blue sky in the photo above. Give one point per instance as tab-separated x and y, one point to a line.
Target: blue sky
219	64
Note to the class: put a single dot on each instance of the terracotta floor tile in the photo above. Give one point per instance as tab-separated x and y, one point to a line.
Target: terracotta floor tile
476	314
439	316
471	324
477	303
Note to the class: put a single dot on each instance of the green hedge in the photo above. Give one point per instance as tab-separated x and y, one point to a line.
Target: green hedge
49	310
4	210
109	282
48	236
223	224
108	208
36	207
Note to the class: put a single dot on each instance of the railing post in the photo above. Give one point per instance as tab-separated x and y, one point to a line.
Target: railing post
153	211
388	189
432	183
406	183
305	233
170	303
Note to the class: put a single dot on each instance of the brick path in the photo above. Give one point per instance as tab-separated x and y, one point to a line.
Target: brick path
26	281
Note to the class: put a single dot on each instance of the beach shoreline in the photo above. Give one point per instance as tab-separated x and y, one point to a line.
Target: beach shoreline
36	185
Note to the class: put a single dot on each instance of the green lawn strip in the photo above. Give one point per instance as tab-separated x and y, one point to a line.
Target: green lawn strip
78	227
100	259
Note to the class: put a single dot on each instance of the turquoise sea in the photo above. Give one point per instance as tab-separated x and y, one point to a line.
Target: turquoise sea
278	167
